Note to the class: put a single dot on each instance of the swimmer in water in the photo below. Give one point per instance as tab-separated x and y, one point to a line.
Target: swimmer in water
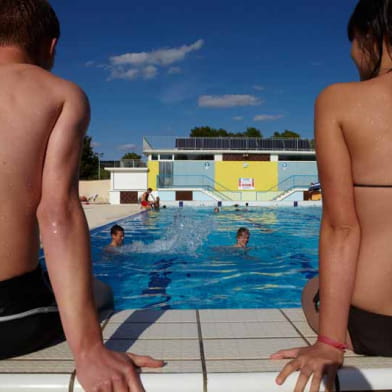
243	236
117	234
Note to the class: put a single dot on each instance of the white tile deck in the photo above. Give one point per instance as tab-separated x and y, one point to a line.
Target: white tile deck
151	331
248	330
148	316
205	351
240	315
247	348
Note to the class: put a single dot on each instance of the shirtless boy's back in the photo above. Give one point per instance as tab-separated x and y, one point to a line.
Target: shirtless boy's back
31	101
42	123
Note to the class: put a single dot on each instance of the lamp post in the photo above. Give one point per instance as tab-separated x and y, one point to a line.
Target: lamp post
100	155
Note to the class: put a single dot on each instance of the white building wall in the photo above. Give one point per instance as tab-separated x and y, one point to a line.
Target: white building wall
114	197
129	181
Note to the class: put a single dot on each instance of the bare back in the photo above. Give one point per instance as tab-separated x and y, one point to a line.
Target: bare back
366	120
30	102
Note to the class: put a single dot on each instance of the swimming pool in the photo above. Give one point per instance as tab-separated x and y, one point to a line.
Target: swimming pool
182	258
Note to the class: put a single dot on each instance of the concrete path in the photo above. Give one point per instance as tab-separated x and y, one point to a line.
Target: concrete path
100	214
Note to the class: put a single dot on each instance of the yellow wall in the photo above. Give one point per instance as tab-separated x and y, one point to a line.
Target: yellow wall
227	174
153	171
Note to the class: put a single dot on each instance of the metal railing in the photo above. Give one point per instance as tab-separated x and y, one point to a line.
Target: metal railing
124	163
208	184
295	181
194	181
226	143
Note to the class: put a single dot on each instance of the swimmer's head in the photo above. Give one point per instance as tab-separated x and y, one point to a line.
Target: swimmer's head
370	31
32	26
243	236
216	209
117	234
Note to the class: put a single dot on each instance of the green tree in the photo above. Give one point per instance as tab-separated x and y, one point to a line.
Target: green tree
287	134
213	132
131	155
252	132
89	161
208	132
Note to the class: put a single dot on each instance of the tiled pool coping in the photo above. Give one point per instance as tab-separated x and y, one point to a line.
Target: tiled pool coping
205	350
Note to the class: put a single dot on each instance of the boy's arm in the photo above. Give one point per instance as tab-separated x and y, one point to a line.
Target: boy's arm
65	239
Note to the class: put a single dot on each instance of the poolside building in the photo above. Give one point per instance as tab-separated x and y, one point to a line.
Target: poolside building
220	169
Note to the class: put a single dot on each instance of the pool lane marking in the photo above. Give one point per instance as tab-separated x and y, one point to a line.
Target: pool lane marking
202	354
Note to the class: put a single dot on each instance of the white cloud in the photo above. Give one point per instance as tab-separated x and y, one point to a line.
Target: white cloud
228	101
95	144
150	72
89	63
174	70
120	73
238	118
126	147
130	66
267	117
162	57
258	87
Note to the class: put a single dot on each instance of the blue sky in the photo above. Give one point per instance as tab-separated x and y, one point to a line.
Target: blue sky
162	67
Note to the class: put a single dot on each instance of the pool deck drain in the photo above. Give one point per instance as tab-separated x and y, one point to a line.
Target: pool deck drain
205	350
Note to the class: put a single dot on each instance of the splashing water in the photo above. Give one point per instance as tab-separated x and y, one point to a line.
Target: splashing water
185	234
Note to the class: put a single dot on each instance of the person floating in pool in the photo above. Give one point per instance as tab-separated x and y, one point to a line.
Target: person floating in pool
350	304
243	235
238	209
117	234
216	210
145	202
44	120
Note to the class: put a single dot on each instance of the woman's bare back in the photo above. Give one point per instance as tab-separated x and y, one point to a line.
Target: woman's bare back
366	121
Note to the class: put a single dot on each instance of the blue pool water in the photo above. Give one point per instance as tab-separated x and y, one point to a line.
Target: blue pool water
183	258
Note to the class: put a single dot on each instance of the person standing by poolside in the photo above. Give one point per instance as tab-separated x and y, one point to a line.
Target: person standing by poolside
43	120
353	129
144	202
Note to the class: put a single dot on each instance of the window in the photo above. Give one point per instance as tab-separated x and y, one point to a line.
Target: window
166	157
297	158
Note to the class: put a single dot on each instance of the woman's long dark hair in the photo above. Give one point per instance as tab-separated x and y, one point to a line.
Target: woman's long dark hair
371	23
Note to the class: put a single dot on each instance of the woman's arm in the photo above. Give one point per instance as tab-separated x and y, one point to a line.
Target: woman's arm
338	248
340	231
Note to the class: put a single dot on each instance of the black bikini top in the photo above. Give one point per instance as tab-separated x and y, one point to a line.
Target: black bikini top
372	186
